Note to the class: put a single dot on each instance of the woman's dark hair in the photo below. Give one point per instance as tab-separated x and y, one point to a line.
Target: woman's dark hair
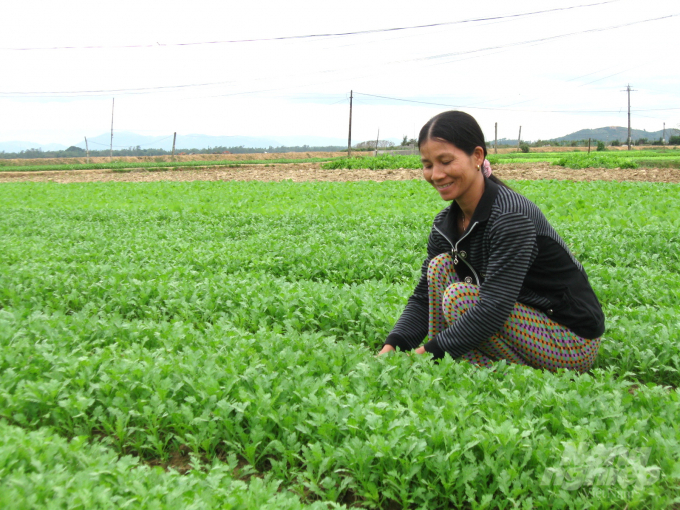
457	128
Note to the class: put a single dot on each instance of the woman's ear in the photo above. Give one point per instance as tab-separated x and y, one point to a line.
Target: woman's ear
478	155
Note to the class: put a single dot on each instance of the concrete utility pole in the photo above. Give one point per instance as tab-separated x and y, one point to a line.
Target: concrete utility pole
376	142
349	137
629	90
519	138
663	140
495	140
113	104
87	148
174	139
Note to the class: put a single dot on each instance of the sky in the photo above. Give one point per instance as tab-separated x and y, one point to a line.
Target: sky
239	68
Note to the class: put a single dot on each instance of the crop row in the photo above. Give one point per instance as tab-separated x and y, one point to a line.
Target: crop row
123	166
617	159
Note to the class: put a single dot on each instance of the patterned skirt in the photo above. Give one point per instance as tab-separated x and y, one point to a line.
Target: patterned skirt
528	337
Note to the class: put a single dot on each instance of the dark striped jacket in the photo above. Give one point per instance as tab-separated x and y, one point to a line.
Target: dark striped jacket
514	255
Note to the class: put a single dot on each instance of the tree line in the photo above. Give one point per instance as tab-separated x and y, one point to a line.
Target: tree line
77	152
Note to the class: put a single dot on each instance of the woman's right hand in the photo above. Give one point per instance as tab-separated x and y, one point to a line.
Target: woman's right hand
386	348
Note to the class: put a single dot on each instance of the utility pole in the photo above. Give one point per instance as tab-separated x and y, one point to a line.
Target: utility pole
588	145
376	142
495	140
113	104
349	137
629	90
87	148
174	138
519	138
663	140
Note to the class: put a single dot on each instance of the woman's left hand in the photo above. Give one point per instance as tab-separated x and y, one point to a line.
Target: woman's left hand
420	350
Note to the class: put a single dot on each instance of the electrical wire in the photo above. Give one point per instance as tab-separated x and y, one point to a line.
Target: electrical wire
479	50
541	40
507	109
316	36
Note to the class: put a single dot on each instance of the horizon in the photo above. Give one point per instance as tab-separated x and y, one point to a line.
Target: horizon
53	146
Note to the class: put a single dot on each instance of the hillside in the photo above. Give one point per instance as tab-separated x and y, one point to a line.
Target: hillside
611	133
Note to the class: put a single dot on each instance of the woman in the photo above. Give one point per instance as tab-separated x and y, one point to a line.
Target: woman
498	281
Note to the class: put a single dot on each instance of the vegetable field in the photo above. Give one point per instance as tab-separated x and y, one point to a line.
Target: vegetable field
212	345
665	158
152	166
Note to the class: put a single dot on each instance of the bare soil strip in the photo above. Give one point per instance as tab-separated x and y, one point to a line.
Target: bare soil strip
299	172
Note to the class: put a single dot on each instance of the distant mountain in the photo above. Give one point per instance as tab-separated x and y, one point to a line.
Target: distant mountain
611	133
22	146
125	139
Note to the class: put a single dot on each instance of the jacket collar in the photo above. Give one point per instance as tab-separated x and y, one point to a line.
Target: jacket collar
482	211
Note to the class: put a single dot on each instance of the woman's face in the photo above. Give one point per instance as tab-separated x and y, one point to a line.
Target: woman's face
450	170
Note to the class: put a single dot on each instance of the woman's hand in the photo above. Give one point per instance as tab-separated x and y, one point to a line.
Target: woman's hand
420	350
386	349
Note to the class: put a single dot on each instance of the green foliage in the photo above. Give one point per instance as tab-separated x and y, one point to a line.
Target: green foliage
381	162
618	159
524	147
236	323
123	166
584	160
601	147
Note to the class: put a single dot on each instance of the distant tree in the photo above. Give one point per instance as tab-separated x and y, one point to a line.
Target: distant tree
524	147
404	141
370	144
674	140
616	143
600	146
73	148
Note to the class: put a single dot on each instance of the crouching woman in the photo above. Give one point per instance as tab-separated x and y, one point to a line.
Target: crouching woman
498	282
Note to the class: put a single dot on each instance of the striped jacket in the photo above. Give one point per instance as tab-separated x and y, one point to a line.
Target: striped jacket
514	255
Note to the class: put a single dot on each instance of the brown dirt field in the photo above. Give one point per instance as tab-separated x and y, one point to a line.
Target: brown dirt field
186	157
298	172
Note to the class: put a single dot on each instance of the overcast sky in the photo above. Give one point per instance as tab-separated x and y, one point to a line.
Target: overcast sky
552	73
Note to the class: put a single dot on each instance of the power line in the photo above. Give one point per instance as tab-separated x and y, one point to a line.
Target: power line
431	57
505	109
541	40
315	36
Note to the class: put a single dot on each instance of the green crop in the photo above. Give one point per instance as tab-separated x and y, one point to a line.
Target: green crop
613	159
123	166
234	326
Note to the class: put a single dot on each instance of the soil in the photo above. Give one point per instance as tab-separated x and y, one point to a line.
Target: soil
298	172
179	157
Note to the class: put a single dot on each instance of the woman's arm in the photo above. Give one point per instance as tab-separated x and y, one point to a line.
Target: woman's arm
412	326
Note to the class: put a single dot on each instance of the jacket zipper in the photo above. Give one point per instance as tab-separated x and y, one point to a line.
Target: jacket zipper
454	250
